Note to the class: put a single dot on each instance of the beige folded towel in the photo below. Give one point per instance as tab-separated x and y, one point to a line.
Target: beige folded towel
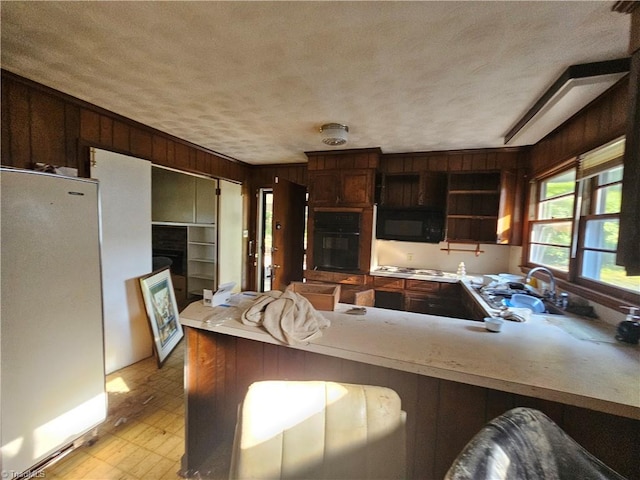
287	316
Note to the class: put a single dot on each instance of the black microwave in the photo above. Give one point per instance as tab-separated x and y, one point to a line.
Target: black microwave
416	224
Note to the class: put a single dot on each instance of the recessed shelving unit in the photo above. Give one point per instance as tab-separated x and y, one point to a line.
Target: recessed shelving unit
473	204
189	202
201	256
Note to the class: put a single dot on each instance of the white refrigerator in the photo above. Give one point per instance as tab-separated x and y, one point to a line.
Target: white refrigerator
52	379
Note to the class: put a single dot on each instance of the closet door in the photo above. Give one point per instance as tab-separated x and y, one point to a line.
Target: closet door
230	235
125	202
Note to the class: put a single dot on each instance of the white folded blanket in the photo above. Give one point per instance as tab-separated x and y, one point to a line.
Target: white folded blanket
287	316
516	314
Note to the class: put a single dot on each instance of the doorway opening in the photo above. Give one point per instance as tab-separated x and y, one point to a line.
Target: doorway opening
264	250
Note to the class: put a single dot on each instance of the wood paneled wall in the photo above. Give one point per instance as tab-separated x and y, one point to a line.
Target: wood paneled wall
264	176
442	416
43	125
454	161
600	122
344	159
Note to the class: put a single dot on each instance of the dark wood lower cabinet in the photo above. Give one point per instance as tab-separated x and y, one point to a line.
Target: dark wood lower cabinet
423	296
389	299
436	305
442	416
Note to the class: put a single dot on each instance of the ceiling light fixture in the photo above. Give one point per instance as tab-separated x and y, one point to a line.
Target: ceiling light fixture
334	134
576	87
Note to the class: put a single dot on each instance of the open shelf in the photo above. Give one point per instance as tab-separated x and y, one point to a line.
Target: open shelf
473	204
201	256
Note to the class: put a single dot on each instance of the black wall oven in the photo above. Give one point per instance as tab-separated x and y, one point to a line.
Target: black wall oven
336	241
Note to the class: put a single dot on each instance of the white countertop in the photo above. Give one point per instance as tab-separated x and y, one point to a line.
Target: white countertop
545	357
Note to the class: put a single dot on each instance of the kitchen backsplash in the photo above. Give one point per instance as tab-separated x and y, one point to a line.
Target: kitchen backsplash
495	259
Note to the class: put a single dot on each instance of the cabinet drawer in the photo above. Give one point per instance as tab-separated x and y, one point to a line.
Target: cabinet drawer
386	282
335	277
350	279
423	285
360	296
319	276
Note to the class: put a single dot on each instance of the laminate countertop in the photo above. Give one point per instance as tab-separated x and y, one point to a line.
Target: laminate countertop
549	357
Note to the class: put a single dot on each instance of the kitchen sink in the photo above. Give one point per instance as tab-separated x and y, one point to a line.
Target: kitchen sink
495	301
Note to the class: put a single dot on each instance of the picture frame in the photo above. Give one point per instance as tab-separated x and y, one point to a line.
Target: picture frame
162	312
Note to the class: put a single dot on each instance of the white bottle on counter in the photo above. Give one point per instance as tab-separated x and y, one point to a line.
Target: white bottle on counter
462	270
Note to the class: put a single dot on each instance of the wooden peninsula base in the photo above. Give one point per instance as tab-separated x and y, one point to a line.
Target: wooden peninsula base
443	415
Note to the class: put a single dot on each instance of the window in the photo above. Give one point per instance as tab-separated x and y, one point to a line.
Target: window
599	226
574	229
551	231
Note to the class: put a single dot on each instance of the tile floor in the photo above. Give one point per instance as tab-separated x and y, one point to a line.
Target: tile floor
143	436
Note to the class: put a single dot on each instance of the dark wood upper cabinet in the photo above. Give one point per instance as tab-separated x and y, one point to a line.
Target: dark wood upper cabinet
344	178
352	187
356	187
324	187
400	190
415	189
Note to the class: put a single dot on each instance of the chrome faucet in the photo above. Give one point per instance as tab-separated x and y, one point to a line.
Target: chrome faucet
552	280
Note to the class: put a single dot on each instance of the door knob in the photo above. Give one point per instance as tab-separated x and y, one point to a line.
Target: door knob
275	266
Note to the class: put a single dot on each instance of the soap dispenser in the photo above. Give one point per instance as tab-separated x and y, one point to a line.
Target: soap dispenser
629	330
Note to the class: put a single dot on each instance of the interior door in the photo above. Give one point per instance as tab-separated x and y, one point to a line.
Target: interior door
289	201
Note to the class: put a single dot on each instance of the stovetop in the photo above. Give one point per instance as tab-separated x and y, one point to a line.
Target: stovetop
410	270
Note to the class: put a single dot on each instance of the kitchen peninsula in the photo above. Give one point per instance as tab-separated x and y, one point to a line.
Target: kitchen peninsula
452	376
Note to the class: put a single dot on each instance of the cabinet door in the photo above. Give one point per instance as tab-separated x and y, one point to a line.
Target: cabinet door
352	187
433	192
356	187
471	308
324	188
435	305
390	300
418	303
509	216
172	196
206	200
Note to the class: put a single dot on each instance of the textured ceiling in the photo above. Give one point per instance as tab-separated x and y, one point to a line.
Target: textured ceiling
255	80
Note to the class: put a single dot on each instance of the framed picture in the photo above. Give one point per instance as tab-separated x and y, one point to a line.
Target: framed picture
162	310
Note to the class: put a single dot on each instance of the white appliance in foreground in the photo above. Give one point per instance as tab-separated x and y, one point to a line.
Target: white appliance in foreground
52	349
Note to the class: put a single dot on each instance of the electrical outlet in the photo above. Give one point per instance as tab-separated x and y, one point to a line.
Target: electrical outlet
409	257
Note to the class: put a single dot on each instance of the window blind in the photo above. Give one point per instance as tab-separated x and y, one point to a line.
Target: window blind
596	161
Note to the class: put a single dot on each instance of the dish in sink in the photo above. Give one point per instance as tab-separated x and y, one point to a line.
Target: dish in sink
520	300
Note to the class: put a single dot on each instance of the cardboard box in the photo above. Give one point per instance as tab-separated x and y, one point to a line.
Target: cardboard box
323	296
